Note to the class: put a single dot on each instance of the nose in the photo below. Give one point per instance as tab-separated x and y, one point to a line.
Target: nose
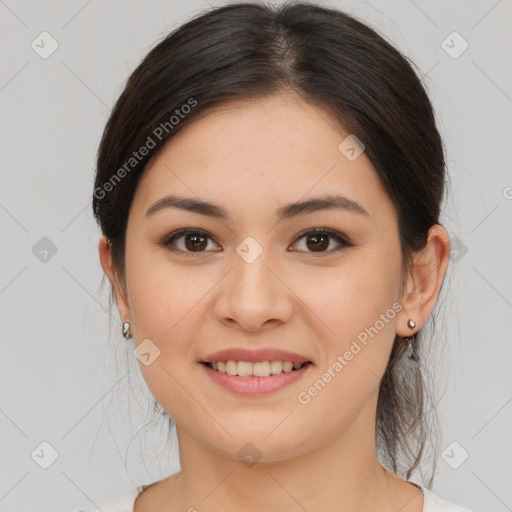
254	297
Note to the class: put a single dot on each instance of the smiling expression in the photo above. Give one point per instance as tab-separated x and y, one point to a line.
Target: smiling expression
251	183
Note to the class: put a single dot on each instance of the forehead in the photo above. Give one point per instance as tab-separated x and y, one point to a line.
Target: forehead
265	151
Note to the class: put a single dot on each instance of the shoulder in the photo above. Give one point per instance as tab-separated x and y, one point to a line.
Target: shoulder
121	503
125	503
433	503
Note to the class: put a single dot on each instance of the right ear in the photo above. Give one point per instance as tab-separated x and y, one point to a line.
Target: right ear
105	251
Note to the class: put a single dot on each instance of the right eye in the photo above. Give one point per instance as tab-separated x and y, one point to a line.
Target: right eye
194	241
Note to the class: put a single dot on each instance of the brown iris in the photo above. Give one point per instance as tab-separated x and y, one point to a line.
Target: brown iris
194	241
320	242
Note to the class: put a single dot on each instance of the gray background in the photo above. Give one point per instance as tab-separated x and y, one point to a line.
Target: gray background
68	381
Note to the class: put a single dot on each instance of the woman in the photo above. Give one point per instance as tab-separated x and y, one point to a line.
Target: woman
268	188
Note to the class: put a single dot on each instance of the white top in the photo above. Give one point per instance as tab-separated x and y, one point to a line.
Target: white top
125	503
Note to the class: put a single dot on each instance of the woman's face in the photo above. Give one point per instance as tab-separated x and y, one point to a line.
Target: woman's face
256	279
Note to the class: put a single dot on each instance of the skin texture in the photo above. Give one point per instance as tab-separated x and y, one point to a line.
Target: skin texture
251	158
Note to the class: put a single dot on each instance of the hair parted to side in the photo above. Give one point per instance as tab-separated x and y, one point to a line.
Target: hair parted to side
246	50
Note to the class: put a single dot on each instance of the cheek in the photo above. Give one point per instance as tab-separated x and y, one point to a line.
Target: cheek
358	305
162	294
352	299
348	376
167	310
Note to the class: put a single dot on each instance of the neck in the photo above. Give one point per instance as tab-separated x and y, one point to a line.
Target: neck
343	470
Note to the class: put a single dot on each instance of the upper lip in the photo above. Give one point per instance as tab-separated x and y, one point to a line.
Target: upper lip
254	356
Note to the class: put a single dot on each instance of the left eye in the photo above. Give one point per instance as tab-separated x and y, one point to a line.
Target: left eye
319	240
196	241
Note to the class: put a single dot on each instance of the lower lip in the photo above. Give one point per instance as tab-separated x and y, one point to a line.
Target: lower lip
255	385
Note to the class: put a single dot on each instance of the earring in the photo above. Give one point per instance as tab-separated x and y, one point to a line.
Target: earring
126	330
410	348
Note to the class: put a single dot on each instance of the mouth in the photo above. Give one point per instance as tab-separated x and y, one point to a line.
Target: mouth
256	369
255	378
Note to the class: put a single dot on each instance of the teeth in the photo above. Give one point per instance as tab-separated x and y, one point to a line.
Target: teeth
231	367
287	366
244	369
258	369
276	367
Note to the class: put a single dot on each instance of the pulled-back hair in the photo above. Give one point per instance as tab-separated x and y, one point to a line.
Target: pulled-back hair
330	59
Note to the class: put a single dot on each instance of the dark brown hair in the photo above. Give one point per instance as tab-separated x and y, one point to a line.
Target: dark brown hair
330	59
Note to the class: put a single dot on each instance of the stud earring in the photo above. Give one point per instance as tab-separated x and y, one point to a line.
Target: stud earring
126	330
410	347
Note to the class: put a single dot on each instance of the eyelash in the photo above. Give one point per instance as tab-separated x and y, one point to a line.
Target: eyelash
315	231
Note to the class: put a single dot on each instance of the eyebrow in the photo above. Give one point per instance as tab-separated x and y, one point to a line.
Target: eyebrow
327	202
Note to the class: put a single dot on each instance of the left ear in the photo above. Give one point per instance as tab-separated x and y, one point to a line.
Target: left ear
424	281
